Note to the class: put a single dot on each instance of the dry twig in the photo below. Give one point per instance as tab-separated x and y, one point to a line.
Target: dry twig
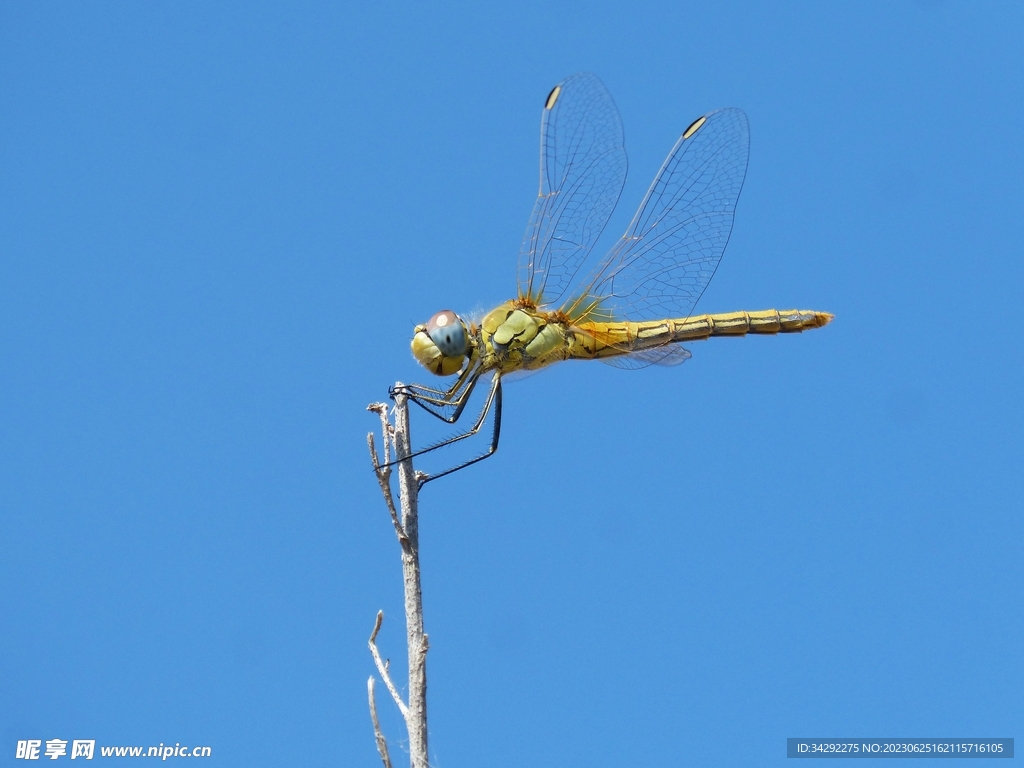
382	667
382	744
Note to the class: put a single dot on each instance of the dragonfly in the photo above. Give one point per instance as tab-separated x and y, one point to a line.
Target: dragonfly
634	309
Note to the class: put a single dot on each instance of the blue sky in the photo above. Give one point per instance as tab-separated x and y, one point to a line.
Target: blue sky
218	225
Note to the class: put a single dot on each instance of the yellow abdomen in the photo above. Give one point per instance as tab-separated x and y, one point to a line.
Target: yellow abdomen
597	340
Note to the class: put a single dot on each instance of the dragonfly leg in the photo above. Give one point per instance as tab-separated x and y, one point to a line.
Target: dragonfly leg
422	390
495	397
437	395
436	403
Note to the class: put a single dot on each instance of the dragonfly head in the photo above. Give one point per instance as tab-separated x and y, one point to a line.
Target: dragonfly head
441	344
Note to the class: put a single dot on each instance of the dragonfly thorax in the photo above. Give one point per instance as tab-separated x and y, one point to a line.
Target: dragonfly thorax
515	336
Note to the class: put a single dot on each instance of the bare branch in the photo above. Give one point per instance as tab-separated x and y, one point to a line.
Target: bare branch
407	528
415	638
384	479
382	744
381	409
383	471
382	667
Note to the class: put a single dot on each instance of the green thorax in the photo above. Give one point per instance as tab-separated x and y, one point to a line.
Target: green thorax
521	338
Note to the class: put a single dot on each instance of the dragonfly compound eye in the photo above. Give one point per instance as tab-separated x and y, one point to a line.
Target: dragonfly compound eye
448	332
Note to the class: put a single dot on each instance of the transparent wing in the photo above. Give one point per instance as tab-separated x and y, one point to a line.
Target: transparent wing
670	354
668	255
582	170
630	357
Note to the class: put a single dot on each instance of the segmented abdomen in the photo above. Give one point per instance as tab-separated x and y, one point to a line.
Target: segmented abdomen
610	339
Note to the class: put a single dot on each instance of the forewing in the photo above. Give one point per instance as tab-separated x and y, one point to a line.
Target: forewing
582	170
664	261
